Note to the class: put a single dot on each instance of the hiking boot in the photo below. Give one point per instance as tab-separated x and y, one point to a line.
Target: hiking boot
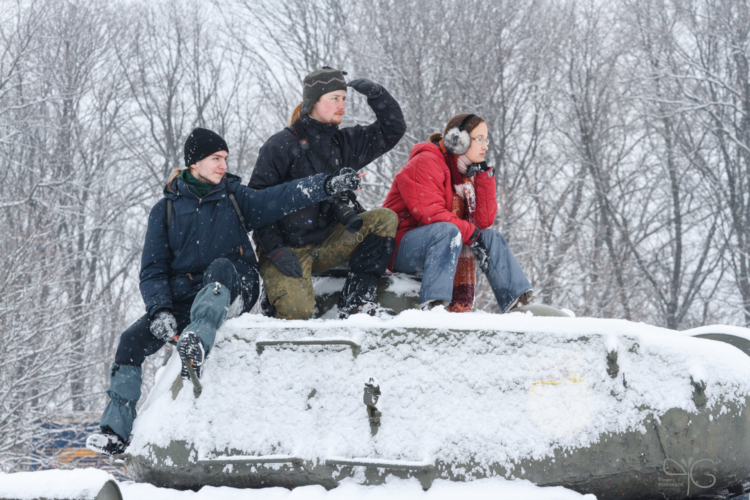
108	443
190	349
369	308
368	264
359	289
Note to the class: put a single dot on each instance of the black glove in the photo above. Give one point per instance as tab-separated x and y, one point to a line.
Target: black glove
347	180
481	251
164	326
286	262
477	168
366	87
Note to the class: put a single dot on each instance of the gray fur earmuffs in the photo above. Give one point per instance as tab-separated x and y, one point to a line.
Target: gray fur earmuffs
456	139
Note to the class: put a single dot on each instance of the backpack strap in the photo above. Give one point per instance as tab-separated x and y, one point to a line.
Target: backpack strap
236	207
169	212
309	148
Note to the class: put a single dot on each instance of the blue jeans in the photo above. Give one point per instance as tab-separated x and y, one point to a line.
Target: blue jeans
435	249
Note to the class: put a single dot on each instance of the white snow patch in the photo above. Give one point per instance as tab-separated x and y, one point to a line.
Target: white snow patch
393	489
53	484
327	285
403	285
457	241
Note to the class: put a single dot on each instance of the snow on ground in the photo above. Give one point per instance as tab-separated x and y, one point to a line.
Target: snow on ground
486	387
483	489
85	483
52	484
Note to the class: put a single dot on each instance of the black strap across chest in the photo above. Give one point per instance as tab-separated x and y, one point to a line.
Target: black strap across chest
309	148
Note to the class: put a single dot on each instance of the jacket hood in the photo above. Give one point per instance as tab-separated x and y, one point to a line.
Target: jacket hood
427	148
230	182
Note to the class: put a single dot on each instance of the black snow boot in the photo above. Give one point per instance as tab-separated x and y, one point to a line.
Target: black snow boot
108	443
368	264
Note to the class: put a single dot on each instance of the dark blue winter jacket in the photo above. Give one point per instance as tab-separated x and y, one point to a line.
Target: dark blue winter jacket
202	230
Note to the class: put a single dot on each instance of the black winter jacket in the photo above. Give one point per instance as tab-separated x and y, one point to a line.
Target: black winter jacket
281	159
202	230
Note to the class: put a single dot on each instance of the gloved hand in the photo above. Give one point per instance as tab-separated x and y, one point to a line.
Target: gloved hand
286	262
481	252
477	168
366	87
347	180
164	326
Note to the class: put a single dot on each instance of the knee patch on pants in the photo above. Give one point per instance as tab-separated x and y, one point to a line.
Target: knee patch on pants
223	271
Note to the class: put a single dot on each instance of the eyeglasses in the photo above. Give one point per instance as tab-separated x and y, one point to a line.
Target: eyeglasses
481	142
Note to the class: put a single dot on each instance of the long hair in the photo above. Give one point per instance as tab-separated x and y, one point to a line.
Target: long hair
455	122
173	177
295	114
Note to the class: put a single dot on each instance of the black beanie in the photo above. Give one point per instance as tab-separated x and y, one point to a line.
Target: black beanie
319	82
202	143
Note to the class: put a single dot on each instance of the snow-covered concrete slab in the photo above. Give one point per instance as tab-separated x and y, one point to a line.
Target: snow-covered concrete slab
475	394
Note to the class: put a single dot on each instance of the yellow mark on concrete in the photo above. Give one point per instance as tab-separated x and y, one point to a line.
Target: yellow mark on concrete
554	382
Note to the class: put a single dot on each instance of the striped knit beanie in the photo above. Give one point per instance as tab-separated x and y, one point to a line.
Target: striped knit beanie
320	82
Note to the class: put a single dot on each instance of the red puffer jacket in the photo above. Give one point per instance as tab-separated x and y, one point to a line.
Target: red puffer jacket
422	193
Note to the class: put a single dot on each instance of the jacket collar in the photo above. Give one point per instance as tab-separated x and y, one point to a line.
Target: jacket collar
180	188
318	129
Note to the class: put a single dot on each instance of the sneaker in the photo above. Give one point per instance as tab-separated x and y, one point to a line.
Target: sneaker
107	443
431	304
523	300
369	308
191	351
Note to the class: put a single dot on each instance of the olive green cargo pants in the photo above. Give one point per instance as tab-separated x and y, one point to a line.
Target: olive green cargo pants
294	297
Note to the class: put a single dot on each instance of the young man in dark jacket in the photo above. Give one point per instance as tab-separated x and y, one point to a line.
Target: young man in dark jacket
314	239
197	266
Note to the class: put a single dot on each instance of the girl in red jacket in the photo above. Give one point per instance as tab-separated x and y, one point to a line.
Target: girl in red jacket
445	201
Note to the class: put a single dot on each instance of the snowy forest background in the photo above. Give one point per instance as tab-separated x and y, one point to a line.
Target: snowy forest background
620	134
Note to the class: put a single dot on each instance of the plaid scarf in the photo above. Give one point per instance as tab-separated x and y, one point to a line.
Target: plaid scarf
464	206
